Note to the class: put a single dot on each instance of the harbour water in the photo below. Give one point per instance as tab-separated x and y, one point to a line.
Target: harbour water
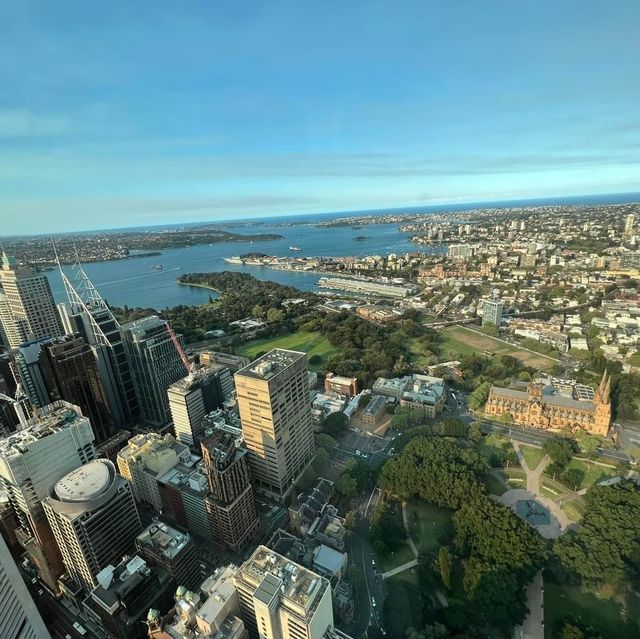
135	283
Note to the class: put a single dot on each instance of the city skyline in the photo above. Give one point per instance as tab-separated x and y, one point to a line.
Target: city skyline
151	115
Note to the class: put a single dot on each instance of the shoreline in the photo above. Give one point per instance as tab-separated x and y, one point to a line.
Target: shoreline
209	288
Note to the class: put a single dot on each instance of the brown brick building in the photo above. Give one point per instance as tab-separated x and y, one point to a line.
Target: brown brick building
547	406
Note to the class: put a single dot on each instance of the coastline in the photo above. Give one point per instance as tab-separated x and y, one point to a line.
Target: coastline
209	288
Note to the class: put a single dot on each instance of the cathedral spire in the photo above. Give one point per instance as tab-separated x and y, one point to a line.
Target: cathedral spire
604	390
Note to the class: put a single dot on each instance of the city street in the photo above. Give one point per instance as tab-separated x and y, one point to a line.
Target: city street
368	606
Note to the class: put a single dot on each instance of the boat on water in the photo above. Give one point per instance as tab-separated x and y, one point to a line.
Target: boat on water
234	259
295	249
157	267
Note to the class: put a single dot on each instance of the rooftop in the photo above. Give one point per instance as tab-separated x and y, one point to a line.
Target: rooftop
85	483
269	365
48	420
163	538
272	573
193	379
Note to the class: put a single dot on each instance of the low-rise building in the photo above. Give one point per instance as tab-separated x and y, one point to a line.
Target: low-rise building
120	602
343	386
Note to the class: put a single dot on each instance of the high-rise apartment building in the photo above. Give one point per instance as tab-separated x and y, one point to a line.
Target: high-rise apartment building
65	368
147	457
231	505
19	617
155	364
280	599
492	312
94	519
57	440
27	309
193	397
273	398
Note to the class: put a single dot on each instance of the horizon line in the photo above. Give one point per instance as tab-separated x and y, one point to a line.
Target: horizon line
343	213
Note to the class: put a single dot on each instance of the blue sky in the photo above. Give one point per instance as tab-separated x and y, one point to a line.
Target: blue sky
130	113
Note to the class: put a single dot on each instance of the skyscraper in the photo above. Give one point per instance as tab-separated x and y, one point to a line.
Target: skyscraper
58	439
492	312
155	364
94	519
273	398
65	368
193	397
27	309
88	314
279	598
231	506
19	617
629	221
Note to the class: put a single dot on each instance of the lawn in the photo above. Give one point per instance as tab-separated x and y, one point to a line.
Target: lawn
312	343
491	445
401	555
552	489
427	525
574	509
458	340
592	472
532	455
402	605
493	483
516	477
569	602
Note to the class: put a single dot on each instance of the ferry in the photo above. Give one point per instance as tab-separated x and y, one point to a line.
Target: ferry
295	249
234	259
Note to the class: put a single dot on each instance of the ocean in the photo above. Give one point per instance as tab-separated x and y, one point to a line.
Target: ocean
133	282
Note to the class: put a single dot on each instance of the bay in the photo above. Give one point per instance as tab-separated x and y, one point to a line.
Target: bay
134	282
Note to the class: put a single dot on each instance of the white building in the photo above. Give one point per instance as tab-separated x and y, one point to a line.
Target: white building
19	617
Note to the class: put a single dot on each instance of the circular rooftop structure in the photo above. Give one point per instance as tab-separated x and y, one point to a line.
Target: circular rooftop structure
86	483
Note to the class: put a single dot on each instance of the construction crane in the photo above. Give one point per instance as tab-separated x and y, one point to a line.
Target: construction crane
17	406
183	356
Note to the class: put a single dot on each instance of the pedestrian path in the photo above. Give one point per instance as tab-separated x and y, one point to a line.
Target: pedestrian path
399	569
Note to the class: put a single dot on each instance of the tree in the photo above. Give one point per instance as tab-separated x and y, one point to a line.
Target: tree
364	400
475	432
315	359
444	566
321	461
569	631
275	315
432	631
606	547
258	311
347	486
326	441
334	424
572	477
560	450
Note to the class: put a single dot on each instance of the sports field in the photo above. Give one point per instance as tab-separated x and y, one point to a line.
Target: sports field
459	340
310	343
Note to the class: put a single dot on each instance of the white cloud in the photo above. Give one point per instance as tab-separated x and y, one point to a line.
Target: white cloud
22	123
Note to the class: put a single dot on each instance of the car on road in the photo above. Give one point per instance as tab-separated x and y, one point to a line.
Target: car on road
373	602
373	562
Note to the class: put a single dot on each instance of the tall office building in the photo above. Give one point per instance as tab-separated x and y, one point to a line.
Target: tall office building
19	617
629	221
281	599
155	364
273	398
89	315
27	309
65	368
492	312
145	458
58	439
193	397
231	506
94	519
